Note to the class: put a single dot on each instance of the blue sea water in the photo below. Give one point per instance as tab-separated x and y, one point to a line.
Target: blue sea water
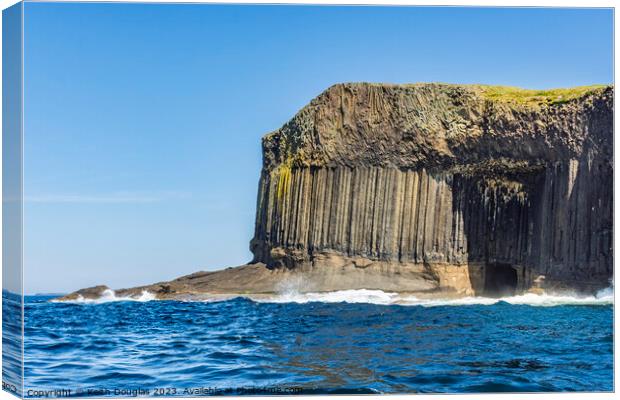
12	342
345	343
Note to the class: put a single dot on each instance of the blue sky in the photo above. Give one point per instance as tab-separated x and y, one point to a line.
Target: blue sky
143	121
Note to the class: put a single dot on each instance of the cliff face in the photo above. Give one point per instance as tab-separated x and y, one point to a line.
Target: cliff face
429	189
481	188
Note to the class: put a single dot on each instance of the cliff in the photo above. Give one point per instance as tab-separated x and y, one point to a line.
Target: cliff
466	182
463	189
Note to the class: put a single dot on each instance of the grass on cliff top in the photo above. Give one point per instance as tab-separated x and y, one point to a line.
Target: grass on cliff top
529	97
512	94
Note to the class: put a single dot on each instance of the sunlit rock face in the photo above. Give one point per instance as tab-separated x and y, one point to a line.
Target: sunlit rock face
476	189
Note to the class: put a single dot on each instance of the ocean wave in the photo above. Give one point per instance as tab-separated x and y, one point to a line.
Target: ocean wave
109	296
380	297
340	296
230	342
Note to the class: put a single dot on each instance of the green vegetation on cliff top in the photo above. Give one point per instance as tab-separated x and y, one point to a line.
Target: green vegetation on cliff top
511	94
533	97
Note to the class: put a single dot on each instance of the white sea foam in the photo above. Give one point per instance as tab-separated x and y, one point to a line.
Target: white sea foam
604	296
291	294
346	296
542	300
109	295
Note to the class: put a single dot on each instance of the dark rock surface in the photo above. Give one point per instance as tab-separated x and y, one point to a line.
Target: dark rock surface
439	174
94	292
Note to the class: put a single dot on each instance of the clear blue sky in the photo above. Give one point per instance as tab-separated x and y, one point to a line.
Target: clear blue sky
143	122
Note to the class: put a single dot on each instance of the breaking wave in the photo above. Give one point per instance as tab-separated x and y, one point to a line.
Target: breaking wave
108	296
379	297
340	296
602	297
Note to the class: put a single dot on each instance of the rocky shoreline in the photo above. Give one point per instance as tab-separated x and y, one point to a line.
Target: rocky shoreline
260	280
435	189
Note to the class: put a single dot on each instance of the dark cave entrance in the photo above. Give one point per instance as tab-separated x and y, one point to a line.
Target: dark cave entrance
500	280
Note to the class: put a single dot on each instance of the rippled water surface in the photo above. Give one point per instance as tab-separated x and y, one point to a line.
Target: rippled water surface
316	346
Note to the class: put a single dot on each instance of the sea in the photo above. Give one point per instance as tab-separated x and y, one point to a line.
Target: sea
347	342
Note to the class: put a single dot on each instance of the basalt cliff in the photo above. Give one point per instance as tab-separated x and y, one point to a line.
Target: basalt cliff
430	188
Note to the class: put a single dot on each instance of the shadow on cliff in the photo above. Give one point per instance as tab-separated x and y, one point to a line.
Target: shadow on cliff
494	217
556	223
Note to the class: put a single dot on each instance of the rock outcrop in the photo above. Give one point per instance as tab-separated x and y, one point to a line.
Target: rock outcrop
463	181
462	189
